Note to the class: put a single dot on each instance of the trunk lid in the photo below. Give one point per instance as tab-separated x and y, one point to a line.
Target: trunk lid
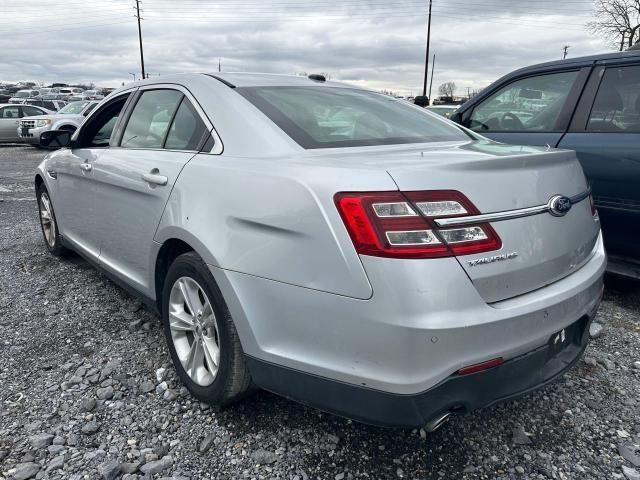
536	250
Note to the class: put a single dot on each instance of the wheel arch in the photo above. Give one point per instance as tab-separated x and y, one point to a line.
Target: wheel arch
168	252
38	180
174	241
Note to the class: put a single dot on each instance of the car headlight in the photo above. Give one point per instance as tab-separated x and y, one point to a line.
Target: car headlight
43	123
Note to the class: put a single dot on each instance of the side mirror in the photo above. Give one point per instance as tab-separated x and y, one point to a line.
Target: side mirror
55	139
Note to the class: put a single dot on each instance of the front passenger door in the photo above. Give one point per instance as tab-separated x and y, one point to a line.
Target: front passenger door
75	202
134	180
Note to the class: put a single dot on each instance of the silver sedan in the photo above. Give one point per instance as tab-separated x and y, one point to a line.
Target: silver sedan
10	115
331	244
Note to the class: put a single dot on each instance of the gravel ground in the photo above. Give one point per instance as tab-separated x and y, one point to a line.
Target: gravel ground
87	392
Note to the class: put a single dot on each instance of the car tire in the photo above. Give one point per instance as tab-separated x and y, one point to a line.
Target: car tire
48	223
197	322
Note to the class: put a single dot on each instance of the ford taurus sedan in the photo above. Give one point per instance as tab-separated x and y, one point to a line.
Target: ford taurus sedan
331	244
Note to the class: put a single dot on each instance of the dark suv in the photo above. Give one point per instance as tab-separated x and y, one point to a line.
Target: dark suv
590	105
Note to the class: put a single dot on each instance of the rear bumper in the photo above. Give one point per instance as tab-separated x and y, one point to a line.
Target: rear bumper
455	394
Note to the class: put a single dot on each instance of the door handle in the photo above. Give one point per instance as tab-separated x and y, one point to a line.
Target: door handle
154	178
86	167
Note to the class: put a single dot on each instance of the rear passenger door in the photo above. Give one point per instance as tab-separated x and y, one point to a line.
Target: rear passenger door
534	110
133	180
605	133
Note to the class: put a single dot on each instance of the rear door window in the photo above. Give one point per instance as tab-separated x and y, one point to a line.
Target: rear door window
187	128
150	119
532	104
617	104
10	112
29	111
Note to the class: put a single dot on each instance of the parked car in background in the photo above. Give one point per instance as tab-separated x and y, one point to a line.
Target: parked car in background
67	118
92	95
50	94
53	105
590	105
10	115
444	110
67	92
391	270
5	95
21	96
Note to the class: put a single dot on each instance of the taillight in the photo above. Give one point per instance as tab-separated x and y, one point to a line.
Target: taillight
400	224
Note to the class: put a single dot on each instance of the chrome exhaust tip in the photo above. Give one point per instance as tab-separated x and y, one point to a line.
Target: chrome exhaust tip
437	422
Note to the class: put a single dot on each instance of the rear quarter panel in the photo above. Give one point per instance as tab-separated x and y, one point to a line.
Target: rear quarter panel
272	218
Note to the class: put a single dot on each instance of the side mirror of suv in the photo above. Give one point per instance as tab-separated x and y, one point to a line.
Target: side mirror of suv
55	139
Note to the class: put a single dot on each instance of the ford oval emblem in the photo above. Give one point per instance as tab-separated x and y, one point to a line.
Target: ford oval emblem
559	205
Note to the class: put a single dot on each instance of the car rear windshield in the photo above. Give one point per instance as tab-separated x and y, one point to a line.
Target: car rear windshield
317	117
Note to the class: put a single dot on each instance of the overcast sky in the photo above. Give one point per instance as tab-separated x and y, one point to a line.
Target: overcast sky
375	43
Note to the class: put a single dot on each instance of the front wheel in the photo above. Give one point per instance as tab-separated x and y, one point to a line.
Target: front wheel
48	223
202	338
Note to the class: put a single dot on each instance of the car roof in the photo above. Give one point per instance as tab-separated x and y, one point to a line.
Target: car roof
238	79
603	57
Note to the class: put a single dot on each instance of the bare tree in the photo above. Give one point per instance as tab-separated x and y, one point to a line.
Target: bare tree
618	21
447	89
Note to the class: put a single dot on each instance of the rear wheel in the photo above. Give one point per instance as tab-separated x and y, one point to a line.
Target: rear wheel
202	338
48	222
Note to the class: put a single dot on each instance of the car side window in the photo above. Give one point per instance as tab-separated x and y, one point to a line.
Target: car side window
149	121
29	111
187	129
532	104
89	109
10	112
616	107
96	133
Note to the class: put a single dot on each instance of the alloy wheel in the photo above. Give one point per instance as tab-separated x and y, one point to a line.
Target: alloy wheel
47	219
194	330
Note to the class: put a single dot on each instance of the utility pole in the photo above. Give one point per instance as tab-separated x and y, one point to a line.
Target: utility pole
133	75
468	93
433	69
565	48
219	67
140	38
426	61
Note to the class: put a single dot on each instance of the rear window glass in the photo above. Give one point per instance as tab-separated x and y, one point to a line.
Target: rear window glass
317	117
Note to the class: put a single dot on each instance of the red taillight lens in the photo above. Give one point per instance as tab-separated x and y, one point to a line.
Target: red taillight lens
479	367
400	225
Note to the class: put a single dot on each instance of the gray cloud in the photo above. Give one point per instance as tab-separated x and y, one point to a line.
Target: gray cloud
372	43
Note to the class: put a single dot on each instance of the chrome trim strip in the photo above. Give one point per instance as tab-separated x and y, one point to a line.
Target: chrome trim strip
506	215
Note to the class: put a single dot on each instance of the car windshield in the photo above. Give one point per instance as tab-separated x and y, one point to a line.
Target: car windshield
342	117
74	108
23	94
